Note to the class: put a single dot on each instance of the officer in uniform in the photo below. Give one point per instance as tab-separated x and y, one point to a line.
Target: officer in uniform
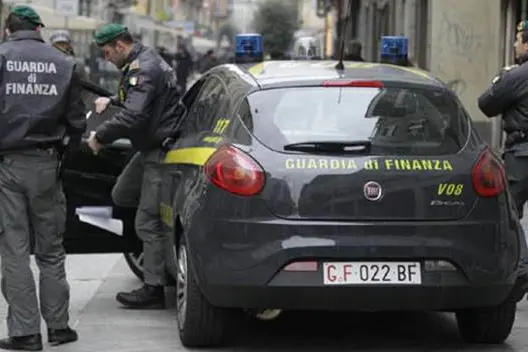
41	105
149	95
507	96
61	40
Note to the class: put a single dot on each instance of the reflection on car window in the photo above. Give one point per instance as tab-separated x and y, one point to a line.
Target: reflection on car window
207	106
395	120
245	124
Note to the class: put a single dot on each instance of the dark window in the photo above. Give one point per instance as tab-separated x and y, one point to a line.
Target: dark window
210	105
186	102
395	120
189	97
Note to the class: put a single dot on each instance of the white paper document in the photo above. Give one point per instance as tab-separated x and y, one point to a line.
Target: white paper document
100	217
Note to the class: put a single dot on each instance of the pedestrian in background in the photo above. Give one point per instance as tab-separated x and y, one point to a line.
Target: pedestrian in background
354	51
41	104
184	66
61	40
208	61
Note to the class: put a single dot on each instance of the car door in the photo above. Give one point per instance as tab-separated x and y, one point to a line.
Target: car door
198	130
93	223
205	103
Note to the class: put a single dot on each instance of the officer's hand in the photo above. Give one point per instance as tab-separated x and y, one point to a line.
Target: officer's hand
94	145
101	104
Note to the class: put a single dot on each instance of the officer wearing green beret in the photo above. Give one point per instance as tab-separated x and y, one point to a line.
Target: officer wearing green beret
41	105
27	13
149	95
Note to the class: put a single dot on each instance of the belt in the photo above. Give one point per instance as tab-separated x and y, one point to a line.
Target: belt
45	146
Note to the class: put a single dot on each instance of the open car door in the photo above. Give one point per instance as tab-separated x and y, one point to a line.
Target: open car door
94	224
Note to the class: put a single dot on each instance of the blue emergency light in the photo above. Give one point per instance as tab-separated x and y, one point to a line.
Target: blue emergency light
248	48
394	50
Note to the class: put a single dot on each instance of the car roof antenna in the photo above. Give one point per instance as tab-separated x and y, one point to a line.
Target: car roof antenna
340	66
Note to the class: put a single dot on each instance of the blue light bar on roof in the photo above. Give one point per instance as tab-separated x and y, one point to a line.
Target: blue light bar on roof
394	49
248	48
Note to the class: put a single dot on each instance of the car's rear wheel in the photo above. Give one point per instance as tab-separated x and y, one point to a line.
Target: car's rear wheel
490	325
135	263
200	324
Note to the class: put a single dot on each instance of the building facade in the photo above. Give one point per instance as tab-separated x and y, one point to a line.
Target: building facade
461	42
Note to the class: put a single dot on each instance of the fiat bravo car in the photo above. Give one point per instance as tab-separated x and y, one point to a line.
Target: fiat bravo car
295	186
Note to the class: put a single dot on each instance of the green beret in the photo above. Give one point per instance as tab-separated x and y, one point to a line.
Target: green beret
108	32
27	13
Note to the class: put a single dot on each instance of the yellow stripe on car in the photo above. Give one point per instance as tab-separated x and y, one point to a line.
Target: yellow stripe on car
257	69
192	156
417	72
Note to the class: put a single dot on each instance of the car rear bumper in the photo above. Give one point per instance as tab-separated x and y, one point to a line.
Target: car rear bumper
431	298
240	263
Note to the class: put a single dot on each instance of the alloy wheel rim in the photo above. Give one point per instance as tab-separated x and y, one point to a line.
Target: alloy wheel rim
181	285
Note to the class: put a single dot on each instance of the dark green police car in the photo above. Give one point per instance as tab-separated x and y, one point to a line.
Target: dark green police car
296	186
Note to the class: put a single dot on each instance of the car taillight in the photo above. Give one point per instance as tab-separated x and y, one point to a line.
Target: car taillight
234	171
488	175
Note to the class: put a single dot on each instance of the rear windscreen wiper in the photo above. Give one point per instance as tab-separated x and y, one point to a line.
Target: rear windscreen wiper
359	146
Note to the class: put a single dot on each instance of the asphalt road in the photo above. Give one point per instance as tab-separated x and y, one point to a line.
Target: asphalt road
104	326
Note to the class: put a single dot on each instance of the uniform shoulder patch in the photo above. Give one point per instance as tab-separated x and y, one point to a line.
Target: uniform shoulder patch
133	80
509	68
134	65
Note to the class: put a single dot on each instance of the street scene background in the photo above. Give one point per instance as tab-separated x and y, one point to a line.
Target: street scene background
463	42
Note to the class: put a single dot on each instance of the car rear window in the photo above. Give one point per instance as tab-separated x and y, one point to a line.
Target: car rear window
405	121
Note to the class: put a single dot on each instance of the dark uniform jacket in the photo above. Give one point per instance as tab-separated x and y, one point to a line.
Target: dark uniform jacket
149	96
508	95
40	94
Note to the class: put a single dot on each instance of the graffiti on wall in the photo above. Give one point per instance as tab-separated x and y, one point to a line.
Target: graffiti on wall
458	45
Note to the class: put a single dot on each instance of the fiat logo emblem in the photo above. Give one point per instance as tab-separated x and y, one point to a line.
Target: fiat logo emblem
372	191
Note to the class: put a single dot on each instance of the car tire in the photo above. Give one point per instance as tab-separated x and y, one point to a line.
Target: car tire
490	325
200	324
135	263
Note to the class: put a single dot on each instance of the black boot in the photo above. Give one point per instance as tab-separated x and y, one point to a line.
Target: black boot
22	343
147	297
61	336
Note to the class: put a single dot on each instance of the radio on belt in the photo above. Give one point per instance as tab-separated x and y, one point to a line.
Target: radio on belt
248	48
394	50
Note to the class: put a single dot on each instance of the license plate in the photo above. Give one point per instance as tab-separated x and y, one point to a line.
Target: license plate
372	273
